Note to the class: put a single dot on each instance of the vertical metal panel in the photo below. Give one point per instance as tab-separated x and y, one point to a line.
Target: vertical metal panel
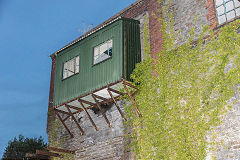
90	76
132	46
126	53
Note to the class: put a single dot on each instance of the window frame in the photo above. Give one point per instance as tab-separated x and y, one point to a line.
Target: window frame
106	41
74	58
234	9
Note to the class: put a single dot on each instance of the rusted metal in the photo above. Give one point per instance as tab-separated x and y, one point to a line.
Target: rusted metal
74	119
60	111
131	98
90	118
99	97
59	117
129	84
76	108
89	107
103	102
116	91
100	108
87	102
116	104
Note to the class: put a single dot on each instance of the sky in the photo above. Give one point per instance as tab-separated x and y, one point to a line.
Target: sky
31	30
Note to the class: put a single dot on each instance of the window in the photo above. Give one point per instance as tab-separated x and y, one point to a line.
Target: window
103	51
227	10
71	67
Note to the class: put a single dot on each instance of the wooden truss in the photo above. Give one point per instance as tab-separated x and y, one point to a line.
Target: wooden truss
94	99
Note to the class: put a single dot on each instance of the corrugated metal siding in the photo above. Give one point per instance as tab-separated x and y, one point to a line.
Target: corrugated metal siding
132	46
126	53
90	77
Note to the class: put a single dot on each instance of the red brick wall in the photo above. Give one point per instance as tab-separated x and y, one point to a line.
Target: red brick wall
154	10
211	16
156	40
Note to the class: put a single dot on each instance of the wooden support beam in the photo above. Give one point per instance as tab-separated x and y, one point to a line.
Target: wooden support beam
47	153
87	102
100	108
60	150
66	118
116	91
99	97
74	119
116	104
76	108
129	84
133	101
90	118
89	107
133	95
60	118
60	111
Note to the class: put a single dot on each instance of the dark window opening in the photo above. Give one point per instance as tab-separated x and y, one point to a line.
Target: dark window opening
103	51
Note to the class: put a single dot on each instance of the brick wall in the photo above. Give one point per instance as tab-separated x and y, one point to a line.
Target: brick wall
154	10
211	16
108	143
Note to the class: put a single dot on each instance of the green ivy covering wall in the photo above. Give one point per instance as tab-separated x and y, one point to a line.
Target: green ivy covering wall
188	96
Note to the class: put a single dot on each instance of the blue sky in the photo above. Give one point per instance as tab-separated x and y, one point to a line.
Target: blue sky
30	30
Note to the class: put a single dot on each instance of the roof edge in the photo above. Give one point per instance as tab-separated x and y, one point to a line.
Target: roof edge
97	28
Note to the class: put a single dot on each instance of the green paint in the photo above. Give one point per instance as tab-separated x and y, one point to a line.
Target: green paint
126	53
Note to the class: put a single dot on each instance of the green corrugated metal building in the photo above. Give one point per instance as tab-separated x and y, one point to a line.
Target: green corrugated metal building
101	58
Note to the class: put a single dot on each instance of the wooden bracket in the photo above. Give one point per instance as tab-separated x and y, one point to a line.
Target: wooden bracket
87	102
100	108
66	118
131	98
76	108
60	118
116	104
90	118
116	91
99	99
74	119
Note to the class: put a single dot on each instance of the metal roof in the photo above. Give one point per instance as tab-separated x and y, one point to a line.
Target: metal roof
97	28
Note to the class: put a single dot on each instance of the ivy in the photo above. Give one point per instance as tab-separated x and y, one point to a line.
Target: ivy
55	140
189	95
